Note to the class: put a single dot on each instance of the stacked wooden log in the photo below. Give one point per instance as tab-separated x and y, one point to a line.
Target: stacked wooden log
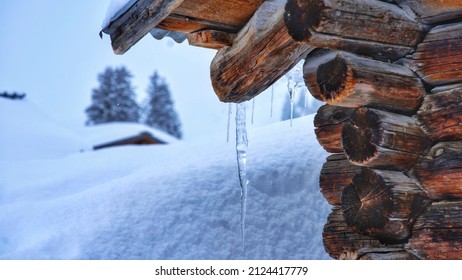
391	75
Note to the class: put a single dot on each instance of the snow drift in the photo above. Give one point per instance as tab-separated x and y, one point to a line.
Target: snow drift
178	201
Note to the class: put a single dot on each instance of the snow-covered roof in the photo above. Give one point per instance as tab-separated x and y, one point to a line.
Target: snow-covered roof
109	132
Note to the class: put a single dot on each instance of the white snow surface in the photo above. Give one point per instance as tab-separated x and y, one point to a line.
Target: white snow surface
27	133
114	9
177	201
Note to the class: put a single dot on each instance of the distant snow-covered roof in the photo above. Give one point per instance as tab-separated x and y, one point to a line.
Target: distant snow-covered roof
109	132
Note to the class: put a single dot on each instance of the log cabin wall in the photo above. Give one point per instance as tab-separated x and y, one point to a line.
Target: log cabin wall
390	73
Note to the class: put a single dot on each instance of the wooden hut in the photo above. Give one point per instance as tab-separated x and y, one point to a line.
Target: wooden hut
391	75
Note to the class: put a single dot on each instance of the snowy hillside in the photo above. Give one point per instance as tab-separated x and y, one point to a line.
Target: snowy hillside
27	133
178	201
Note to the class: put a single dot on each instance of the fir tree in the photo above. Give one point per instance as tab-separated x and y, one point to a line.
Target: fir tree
159	111
114	99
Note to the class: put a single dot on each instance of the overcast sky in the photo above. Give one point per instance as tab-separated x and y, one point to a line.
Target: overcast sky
50	49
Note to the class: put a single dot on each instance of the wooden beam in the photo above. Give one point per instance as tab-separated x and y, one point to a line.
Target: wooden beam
336	174
437	233
434	11
371	28
212	39
383	204
328	123
262	52
138	21
438	60
235	13
340	242
440	171
384	140
348	80
441	113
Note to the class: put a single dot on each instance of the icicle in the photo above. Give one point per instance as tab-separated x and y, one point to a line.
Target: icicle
291	96
306	98
253	110
272	99
241	152
294	80
230	112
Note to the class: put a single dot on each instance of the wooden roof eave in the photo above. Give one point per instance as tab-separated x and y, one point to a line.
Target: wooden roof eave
137	21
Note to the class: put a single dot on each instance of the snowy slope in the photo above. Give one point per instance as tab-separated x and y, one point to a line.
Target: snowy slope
27	133
179	201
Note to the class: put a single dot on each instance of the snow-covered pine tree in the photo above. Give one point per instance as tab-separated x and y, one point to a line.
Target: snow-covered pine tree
158	109
114	99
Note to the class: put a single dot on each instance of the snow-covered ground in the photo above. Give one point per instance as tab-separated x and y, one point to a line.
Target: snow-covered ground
177	201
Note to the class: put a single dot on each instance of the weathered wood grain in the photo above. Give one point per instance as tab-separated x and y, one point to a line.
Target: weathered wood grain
438	59
434	11
262	52
437	233
385	140
211	39
328	123
138	21
336	174
340	242
373	28
382	204
441	113
344	79
440	171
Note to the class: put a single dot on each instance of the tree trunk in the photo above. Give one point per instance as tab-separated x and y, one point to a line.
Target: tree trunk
343	79
440	171
434	11
371	28
329	122
437	232
262	52
438	60
385	140
340	242
336	174
382	204
441	113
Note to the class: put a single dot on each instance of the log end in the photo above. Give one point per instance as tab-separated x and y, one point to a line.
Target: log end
300	16
334	80
359	136
367	204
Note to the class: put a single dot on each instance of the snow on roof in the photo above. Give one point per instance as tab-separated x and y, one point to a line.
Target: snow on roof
109	132
27	133
115	9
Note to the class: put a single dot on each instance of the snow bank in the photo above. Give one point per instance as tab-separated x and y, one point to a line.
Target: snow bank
27	133
179	201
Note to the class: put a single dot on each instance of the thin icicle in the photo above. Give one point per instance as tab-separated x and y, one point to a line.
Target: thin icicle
294	80
306	98
291	96
253	110
230	112
272	99
241	152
